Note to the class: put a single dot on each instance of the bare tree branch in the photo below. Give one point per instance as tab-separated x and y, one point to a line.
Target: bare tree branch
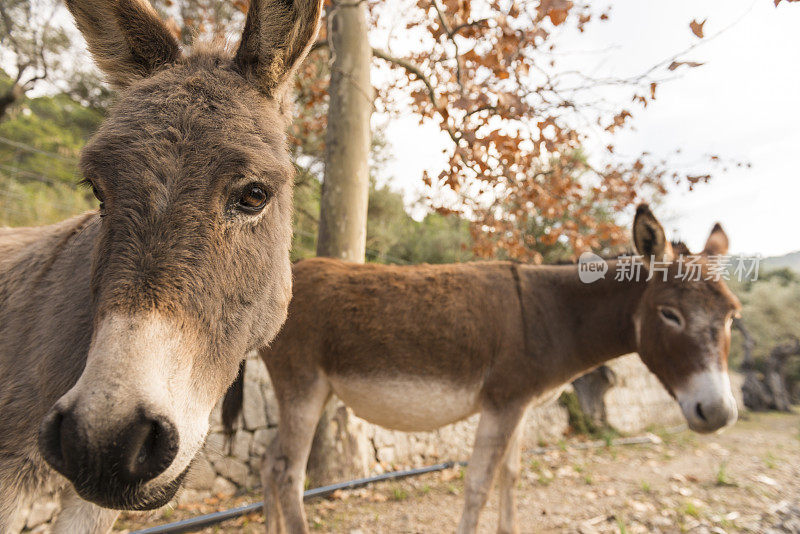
416	71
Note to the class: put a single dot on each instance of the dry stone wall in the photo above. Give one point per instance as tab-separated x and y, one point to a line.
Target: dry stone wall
636	402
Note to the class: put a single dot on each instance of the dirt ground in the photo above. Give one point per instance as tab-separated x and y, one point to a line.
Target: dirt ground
744	480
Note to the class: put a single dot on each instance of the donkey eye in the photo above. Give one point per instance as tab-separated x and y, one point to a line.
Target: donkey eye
97	194
671	315
253	198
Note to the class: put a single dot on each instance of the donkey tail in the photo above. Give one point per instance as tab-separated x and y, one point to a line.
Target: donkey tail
234	399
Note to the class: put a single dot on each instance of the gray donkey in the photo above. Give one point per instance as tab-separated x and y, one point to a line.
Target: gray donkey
121	328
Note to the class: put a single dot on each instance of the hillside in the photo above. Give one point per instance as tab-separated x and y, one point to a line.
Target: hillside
791	260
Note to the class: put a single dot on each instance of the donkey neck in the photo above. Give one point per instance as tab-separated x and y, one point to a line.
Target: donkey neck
581	325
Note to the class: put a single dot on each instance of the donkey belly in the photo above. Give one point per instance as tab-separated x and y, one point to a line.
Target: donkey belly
407	403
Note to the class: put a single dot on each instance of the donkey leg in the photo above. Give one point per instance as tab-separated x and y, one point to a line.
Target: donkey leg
507	483
289	455
81	517
273	519
495	430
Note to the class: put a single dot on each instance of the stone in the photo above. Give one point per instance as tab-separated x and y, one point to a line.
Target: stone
383	437
232	469
587	528
240	445
261	440
545	424
188	495
256	371
255	464
270	403
386	454
402	446
253	481
253	410
223	487
202	474
638	400
41	512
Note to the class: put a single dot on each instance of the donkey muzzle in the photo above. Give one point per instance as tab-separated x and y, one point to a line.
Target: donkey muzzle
705	417
110	465
707	401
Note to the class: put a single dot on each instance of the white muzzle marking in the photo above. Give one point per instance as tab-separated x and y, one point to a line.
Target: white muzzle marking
707	401
144	360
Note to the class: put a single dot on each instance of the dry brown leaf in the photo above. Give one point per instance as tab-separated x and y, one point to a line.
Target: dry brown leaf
675	64
697	27
558	16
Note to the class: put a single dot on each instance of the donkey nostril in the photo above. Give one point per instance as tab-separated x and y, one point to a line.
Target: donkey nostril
57	441
152	444
50	439
699	411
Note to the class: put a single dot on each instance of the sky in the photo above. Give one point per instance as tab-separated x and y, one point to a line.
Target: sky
743	105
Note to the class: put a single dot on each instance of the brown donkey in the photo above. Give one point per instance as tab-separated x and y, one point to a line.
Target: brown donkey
120	329
416	348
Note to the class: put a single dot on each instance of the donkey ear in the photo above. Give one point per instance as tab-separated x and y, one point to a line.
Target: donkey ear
649	238
277	36
126	38
717	244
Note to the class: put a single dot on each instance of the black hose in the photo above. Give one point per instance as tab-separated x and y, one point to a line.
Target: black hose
196	523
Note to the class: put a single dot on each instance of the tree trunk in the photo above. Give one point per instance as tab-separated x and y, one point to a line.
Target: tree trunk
343	206
340	449
768	391
775	376
755	395
8	99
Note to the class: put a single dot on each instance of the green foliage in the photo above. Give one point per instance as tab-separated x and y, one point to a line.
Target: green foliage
770	311
771	461
41	139
39	146
306	214
621	524
723	478
579	422
689	508
394	237
771	314
399	494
